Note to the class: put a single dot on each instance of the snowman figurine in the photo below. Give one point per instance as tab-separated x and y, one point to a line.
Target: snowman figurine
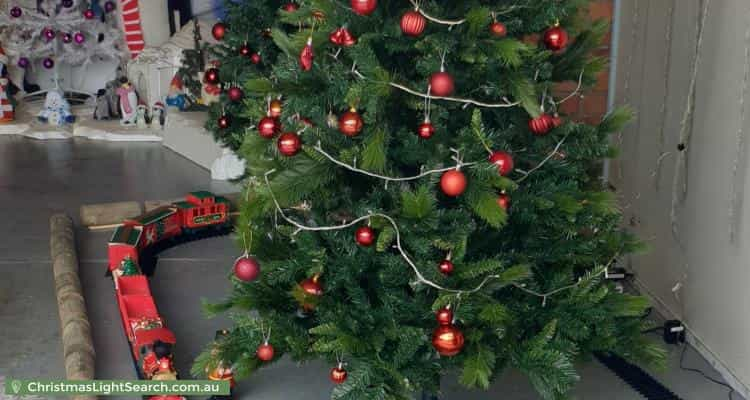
141	117
56	110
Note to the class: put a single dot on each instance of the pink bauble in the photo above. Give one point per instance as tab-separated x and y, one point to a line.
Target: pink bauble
79	37
246	268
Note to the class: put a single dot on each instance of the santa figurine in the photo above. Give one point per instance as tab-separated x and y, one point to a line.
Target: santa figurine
128	102
6	108
176	95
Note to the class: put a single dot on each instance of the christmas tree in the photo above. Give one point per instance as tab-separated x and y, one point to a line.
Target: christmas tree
415	204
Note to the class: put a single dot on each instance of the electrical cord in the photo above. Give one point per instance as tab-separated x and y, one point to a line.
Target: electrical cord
685	346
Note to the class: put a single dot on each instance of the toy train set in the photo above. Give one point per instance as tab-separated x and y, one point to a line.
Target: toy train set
133	254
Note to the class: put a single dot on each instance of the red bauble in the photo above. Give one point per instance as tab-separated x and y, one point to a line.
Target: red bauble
89	14
541	125
556	38
235	94
365	236
453	183
245	50
503	200
503	161
291	7
350	123
444	316
275	108
342	37
246	268
255	58
311	286
268	127
413	23
338	375
219	30
289	144
265	352
498	29
448	340
446	267
211	76
426	130
224	121
441	84
364	7
306	56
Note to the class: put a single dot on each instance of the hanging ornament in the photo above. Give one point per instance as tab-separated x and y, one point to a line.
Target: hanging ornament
319	16
48	63
246	268
224	121
67	3
413	23
255	58
290	7
446	267
245	50
503	161
67	37
289	144
426	129
556	38
342	37
541	125
89	14
311	290
332	120
109	6
211	76
339	374
350	123
219	30
265	352
275	108
453	183
441	83
49	34
556	120
444	316
16	12
268	127
364	7
235	94
448	340
306	56
79	37
503	200
23	62
365	236
498	29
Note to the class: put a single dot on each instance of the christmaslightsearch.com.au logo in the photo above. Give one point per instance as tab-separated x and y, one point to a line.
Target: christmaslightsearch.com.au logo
114	387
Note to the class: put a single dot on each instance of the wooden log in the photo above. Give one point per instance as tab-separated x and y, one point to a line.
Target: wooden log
109	213
78	346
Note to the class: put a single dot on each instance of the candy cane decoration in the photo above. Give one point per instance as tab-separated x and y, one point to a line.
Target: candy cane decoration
131	23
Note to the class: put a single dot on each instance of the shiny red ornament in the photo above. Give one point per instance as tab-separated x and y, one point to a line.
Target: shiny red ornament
275	108
426	130
255	58
453	183
246	268
448	340
268	127
245	50
503	161
441	84
413	23
446	267
224	121
541	125
219	30
350	123
211	76
498	29
342	37
89	14
306	56
265	352
556	38
364	7
339	375
444	316
503	200
289	144
291	7
235	94
365	236
311	286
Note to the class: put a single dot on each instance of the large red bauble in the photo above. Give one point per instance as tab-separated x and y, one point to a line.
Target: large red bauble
289	144
556	38
453	183
311	286
275	108
350	123
245	50
503	200
364	7
413	23
268	127
224	121
255	58
444	316
503	161
448	340
365	236
246	268
235	94
541	125
265	352
446	267
441	84
211	76
426	130
219	30
339	375
498	29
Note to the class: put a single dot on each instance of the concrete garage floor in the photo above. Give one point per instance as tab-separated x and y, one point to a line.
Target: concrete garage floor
38	179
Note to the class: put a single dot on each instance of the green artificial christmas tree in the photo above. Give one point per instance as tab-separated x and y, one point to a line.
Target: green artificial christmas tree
414	201
129	267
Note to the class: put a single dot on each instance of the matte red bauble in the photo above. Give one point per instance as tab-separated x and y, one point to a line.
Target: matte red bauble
246	268
541	125
342	37
441	84
289	144
219	30
245	50
268	127
453	183
498	29
448	340
413	23
426	130
291	7
364	7
235	94
503	161
338	375
265	352
89	14
556	38
224	121
365	236
306	56
350	123
275	108
255	58
446	267
444	316
211	76
503	200
311	286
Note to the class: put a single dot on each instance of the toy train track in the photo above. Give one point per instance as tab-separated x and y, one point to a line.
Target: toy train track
133	254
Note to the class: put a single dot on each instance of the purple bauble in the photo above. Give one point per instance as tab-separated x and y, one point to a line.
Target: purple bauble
67	37
48	63
23	62
79	37
67	3
109	6
49	34
15	12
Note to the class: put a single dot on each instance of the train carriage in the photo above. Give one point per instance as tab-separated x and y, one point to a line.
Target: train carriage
158	224
123	244
203	209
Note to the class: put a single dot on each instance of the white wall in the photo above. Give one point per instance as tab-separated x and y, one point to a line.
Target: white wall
154	21
711	272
